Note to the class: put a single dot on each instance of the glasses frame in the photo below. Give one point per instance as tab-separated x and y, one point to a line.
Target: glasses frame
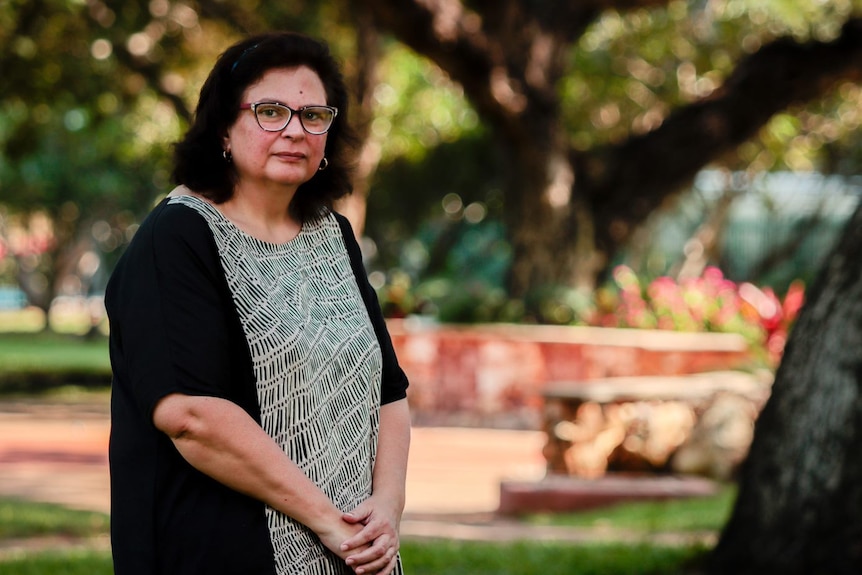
291	113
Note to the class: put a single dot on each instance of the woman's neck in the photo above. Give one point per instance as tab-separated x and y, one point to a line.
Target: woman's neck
262	214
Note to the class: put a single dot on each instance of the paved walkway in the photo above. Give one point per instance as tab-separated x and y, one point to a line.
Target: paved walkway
57	453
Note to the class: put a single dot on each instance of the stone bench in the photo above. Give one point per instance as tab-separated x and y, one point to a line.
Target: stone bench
698	424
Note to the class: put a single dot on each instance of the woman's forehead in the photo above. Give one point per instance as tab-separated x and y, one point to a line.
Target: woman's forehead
288	82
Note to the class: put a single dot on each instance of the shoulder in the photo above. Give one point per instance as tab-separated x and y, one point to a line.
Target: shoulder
173	239
343	225
169	231
171	219
342	220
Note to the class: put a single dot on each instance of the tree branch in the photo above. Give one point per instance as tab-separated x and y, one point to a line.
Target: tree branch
623	184
508	55
436	32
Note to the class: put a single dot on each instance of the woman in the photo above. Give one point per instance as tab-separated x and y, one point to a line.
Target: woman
259	415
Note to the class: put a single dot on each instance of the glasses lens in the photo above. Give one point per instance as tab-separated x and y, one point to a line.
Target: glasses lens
272	117
316	119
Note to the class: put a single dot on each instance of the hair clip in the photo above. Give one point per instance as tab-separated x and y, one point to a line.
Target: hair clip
241	56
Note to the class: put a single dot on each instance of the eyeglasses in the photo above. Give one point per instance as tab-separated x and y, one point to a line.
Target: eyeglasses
274	117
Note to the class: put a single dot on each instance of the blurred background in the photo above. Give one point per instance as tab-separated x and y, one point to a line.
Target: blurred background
529	174
599	165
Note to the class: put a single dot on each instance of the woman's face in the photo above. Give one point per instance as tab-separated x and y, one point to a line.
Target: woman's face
286	158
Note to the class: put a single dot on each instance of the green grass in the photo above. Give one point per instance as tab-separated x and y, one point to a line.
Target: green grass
52	353
676	515
74	562
533	557
24	519
35	362
436	558
20	519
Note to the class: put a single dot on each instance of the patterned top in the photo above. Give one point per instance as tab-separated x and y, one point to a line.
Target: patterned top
317	363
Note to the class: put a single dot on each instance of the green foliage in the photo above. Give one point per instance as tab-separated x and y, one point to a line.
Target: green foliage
630	69
454	271
417	108
417	196
440	242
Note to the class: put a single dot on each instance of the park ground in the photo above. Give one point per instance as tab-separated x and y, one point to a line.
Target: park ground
57	452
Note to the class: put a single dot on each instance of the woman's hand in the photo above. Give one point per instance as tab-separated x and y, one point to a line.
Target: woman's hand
335	535
374	549
380	515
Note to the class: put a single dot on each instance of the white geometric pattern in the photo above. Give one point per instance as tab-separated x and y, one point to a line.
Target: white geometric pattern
317	363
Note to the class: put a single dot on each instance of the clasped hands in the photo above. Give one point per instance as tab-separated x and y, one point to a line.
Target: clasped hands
373	543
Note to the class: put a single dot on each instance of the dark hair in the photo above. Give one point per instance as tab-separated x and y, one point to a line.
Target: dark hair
198	160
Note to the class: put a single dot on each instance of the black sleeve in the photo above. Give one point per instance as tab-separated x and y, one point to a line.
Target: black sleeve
394	385
172	311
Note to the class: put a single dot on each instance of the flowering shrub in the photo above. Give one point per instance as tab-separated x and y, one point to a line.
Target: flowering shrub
710	302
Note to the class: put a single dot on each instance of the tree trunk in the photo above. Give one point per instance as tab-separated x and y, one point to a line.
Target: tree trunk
799	509
538	199
363	80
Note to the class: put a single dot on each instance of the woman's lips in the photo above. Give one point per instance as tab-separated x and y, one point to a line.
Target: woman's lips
290	155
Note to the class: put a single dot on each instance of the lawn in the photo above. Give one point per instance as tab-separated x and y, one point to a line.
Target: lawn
34	362
86	532
534	557
82	534
62	354
698	514
51	352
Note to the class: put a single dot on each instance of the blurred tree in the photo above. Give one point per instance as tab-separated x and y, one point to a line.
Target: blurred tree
668	86
94	93
79	135
585	103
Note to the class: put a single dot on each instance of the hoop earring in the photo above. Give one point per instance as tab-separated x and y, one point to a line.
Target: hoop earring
228	157
324	163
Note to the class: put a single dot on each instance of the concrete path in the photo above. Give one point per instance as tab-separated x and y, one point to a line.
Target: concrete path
58	453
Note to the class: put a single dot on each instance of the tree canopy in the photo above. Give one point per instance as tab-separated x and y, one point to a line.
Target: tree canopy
684	84
575	120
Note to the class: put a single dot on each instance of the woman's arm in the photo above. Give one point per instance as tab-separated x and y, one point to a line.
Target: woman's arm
220	439
393	446
381	513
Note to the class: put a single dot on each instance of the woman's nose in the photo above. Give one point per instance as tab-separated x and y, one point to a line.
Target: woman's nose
293	127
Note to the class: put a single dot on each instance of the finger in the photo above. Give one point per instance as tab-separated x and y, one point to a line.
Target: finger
359	514
381	566
382	548
391	567
357	542
367	535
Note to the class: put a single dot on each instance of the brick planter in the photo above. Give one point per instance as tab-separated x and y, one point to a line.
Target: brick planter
493	375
